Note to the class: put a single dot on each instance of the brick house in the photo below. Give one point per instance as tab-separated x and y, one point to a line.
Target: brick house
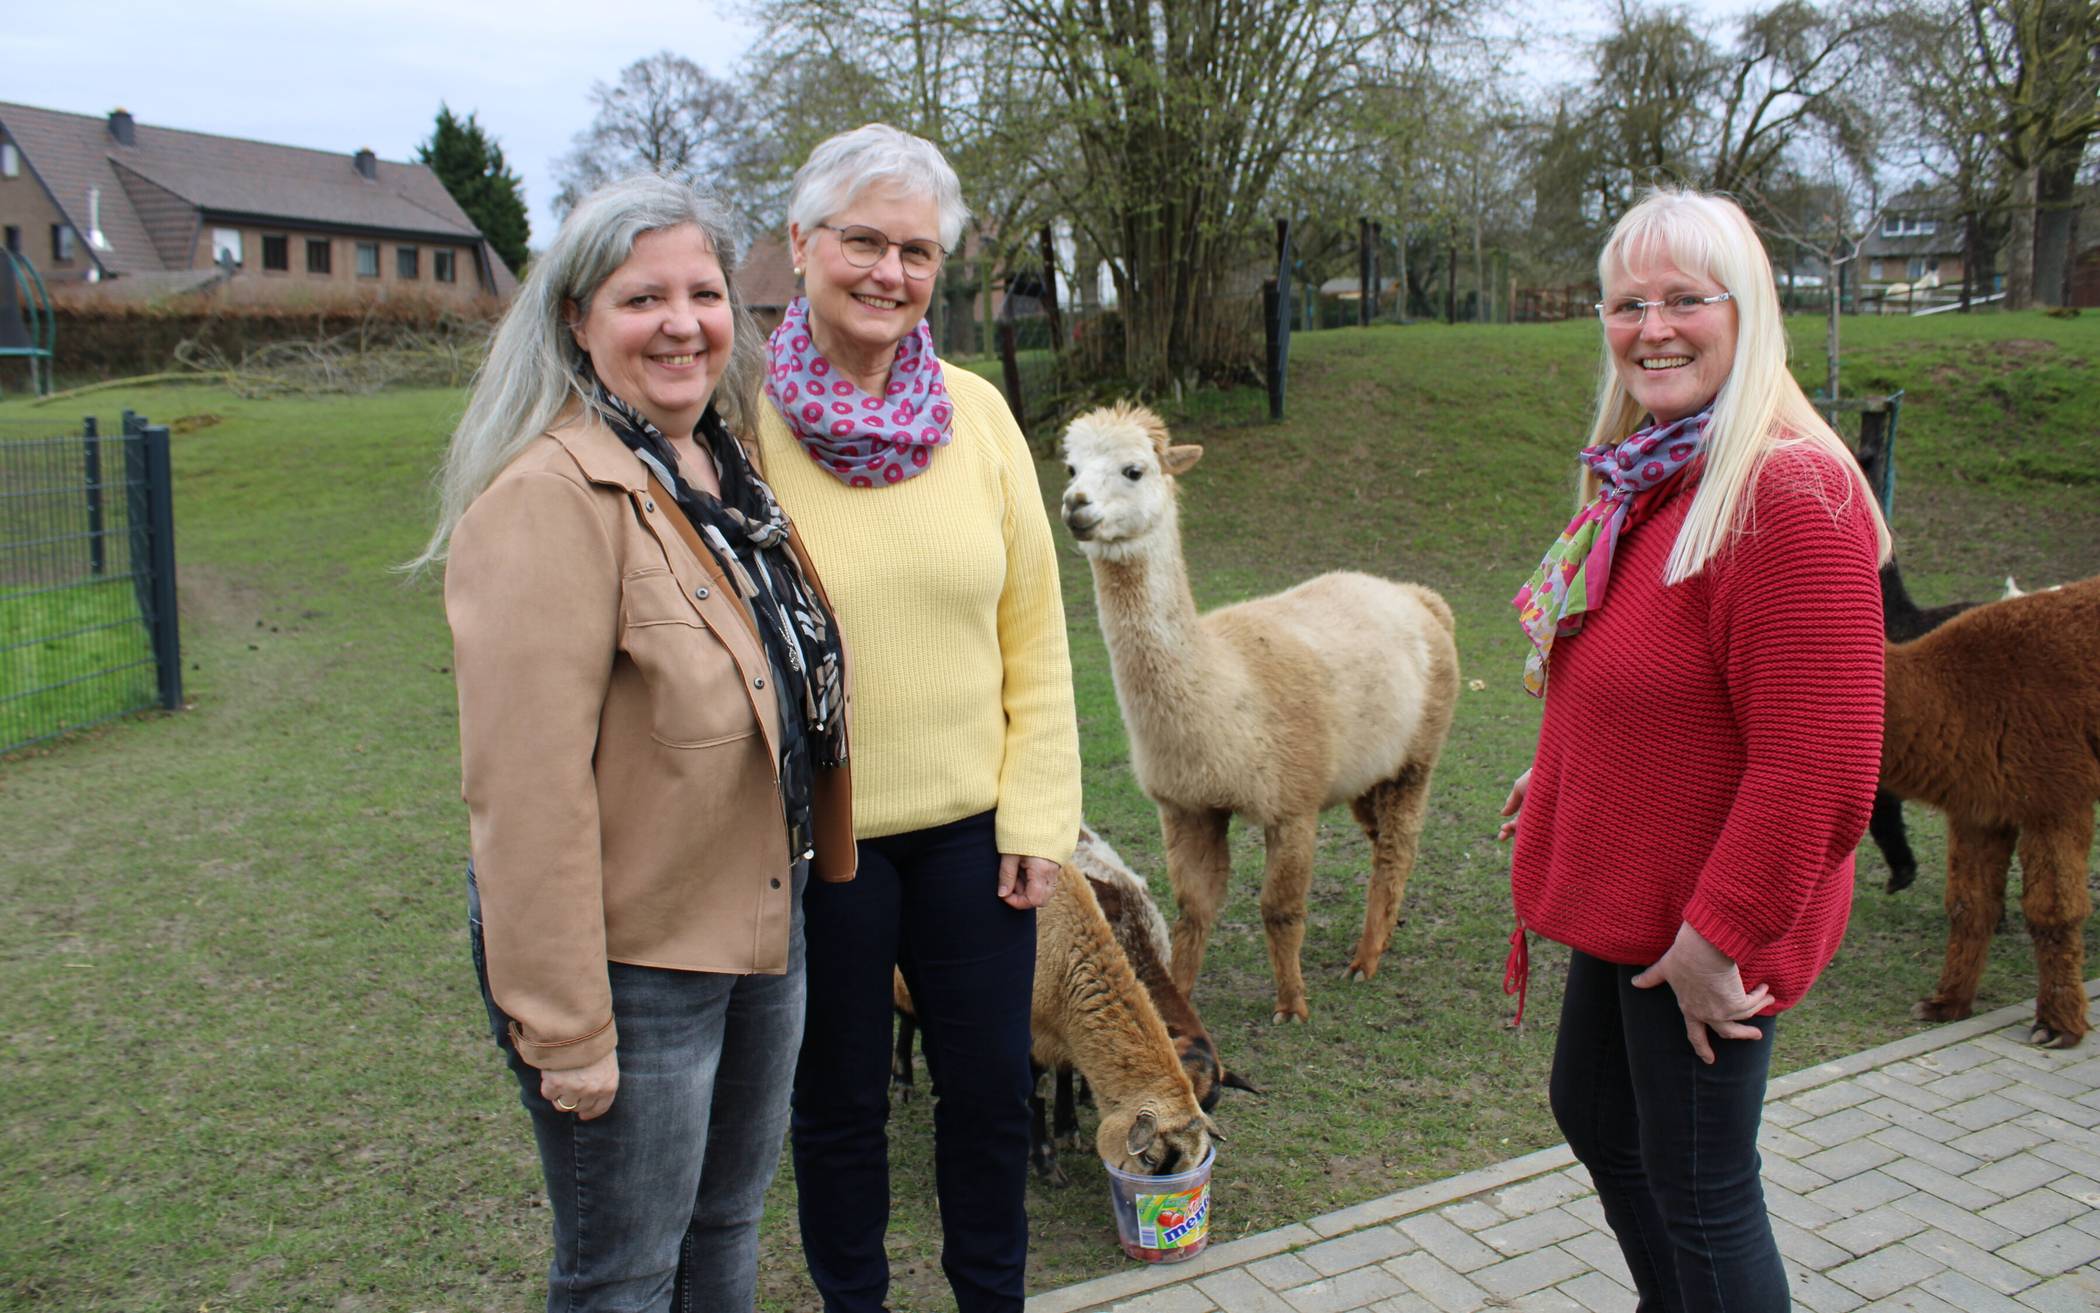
91	199
1918	234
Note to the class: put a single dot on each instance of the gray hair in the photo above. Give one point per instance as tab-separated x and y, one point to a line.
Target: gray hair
534	368
853	162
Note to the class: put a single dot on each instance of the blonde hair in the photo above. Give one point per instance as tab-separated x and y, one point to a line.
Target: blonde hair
535	370
1760	409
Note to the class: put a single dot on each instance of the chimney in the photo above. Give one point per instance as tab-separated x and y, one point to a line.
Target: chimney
121	127
367	164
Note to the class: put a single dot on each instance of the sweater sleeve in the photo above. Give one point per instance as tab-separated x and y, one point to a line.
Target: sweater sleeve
531	550
1039	806
1796	625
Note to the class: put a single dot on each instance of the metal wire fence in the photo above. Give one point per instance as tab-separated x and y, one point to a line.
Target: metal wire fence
87	577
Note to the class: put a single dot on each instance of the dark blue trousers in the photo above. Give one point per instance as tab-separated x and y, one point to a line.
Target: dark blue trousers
927	902
1670	1142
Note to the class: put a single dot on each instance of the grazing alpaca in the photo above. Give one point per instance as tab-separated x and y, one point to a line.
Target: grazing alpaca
1338	690
1141	932
1994	719
1118	1025
1902	620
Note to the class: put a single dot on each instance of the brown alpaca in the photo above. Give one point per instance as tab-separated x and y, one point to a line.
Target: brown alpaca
1338	690
1994	719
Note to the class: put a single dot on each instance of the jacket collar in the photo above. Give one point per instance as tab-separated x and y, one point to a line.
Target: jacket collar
597	450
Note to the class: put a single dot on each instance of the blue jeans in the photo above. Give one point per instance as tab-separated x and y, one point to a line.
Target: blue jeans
925	902
1670	1142
657	1203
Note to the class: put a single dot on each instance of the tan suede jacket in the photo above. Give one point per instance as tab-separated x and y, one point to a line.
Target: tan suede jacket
617	744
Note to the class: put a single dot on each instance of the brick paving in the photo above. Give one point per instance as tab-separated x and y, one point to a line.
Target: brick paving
1955	1169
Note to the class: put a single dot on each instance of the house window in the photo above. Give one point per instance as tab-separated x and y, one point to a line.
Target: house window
318	255
1874	269
10	160
441	265
408	262
277	254
368	259
62	242
1891	226
226	246
14	239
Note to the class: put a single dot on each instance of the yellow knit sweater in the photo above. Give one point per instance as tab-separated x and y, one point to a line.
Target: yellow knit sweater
947	597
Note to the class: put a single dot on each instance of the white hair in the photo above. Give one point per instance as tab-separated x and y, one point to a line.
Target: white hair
871	157
535	370
1760	408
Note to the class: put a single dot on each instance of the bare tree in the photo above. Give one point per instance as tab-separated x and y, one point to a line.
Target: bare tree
664	115
2041	60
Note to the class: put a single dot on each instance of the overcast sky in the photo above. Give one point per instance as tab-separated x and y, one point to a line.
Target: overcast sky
336	76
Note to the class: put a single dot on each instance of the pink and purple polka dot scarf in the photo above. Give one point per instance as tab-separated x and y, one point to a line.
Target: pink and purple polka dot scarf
1572	577
862	441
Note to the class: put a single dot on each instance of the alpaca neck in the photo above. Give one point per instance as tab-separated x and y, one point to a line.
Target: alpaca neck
1909	766
1896	606
1163	660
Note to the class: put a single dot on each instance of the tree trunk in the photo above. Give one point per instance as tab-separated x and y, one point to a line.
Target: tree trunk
1970	265
2019	255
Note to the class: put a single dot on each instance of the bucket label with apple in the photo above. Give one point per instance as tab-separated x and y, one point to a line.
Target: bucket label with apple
1174	1221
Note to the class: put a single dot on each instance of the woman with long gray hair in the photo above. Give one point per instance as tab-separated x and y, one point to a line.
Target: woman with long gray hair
653	739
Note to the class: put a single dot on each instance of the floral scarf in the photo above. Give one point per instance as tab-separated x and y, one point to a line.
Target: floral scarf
1571	579
862	441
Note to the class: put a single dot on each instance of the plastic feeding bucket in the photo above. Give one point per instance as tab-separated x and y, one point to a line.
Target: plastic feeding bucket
1162	1219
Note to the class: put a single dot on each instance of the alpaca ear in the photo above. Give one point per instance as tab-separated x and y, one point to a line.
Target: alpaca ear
1212	1127
1232	1080
1180	460
1143	1132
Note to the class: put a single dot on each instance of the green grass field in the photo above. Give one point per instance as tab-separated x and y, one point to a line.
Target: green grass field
246	1067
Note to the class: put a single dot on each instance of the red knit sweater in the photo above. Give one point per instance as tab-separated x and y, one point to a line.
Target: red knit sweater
1709	751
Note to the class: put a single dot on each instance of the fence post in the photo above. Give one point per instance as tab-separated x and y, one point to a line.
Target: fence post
1276	320
1010	365
160	500
138	514
1363	272
98	551
1377	275
1057	325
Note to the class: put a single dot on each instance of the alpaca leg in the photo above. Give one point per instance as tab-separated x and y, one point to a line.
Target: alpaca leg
1398	806
1283	889
1886	825
1199	866
2054	899
1977	859
1042	1150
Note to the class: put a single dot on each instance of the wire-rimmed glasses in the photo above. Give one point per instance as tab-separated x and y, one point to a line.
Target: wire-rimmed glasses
1631	312
864	248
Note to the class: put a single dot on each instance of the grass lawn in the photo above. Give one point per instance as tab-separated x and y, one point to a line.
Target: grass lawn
247	1068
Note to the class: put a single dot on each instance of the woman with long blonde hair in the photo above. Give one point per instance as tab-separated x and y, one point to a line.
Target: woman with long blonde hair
1711	625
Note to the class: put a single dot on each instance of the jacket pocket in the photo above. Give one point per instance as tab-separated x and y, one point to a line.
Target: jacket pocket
695	689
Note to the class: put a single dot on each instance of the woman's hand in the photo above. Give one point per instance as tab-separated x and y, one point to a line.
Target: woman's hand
1709	991
1026	882
1513	804
586	1092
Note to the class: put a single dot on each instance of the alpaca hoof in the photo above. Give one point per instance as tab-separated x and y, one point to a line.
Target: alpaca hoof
1355	975
1285	1014
2048	1037
1359	969
1900	879
1936	1009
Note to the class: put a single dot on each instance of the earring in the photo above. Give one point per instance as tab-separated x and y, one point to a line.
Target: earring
798	271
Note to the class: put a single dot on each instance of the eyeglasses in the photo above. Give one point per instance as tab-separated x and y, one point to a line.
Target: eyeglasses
1631	312
864	248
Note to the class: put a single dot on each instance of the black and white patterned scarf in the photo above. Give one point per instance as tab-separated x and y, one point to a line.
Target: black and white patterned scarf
748	534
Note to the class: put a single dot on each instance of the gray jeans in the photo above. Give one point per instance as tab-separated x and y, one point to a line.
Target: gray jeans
656	1204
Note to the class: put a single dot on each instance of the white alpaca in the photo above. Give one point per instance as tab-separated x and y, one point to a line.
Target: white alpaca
1338	690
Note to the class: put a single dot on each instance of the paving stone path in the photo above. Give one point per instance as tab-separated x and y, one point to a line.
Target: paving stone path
1954	1169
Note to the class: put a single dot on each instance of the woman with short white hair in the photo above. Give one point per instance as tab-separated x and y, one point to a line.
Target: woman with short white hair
652	731
920	503
1711	625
